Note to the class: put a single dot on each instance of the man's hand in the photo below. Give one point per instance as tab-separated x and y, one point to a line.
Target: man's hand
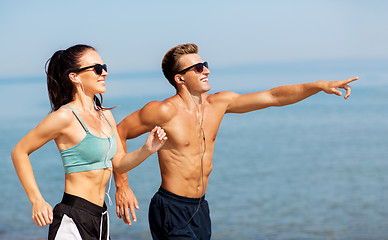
126	199
331	87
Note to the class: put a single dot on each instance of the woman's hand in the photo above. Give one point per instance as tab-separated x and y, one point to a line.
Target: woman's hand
156	139
42	213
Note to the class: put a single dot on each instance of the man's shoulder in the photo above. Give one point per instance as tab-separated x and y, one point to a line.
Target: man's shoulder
221	96
161	111
160	106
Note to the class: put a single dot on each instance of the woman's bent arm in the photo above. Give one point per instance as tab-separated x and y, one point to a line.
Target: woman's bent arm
47	130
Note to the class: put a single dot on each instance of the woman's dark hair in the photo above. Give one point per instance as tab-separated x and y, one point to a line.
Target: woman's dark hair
60	88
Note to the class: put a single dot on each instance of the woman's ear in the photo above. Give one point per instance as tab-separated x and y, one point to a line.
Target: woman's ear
74	78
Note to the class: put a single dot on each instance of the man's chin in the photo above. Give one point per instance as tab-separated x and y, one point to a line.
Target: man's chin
206	90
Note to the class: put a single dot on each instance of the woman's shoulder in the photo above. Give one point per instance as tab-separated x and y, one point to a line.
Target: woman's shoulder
62	117
108	114
55	123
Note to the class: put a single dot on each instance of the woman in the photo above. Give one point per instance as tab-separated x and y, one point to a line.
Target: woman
87	138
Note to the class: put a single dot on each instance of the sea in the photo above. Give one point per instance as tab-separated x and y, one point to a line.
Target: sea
314	170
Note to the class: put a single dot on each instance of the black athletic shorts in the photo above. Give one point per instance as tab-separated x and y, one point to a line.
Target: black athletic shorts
76	218
174	217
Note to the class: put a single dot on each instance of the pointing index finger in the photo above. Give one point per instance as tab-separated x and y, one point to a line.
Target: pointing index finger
350	80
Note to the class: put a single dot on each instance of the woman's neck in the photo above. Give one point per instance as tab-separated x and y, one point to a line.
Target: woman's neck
84	102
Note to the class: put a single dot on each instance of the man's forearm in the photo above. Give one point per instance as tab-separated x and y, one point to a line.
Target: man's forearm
121	180
289	94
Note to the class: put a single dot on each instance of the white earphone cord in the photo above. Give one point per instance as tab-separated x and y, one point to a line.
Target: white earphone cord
203	154
104	131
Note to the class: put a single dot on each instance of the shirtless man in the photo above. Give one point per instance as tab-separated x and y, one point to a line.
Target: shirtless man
191	119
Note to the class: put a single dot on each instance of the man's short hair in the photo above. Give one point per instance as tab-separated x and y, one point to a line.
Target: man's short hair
171	65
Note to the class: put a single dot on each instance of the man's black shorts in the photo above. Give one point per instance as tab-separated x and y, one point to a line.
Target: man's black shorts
174	217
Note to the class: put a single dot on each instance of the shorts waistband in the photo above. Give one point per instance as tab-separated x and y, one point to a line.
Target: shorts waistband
171	195
83	204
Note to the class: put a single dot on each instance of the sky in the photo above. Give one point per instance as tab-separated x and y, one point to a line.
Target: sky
132	36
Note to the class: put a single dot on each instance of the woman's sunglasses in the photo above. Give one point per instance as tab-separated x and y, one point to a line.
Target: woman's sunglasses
198	68
97	68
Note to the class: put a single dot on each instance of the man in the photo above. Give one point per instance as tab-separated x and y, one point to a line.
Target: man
191	119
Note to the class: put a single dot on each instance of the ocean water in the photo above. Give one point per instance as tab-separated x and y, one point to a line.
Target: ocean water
313	170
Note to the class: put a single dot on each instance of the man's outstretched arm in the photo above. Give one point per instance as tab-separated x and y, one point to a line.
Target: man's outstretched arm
286	95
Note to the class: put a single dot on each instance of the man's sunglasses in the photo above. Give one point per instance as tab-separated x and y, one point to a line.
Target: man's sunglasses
198	68
97	68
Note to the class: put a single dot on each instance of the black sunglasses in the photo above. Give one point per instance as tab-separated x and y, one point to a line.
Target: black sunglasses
97	68
198	68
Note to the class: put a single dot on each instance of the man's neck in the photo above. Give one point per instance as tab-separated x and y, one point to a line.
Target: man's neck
190	100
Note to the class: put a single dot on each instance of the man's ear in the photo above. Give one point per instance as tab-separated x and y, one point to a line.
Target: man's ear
178	79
